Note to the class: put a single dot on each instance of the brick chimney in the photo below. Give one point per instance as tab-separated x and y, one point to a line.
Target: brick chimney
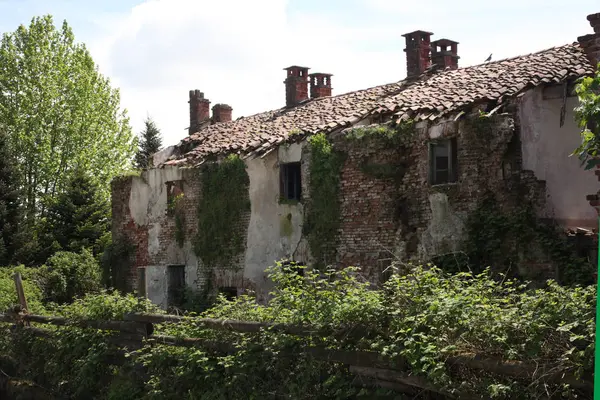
320	85
591	43
296	85
418	52
199	110
444	54
221	113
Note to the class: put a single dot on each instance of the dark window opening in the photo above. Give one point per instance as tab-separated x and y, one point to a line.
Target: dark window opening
443	162
291	183
175	285
174	195
141	281
294	266
229	292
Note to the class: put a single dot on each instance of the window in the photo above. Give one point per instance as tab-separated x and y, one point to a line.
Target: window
175	284
443	162
174	194
141	281
291	184
296	267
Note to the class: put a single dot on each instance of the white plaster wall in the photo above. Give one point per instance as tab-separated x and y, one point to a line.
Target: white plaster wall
546	148
275	230
156	285
148	205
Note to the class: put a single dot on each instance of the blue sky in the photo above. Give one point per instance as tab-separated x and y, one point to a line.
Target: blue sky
234	50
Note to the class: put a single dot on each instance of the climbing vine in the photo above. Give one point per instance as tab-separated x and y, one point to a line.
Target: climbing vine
395	137
398	135
323	212
506	238
175	208
223	203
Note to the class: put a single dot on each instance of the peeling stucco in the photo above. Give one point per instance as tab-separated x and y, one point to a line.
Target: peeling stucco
444	233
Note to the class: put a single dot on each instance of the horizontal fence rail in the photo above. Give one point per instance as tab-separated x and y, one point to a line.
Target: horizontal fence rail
137	330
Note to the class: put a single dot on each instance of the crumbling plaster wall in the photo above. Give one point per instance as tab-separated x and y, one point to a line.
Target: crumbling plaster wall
146	213
275	228
546	149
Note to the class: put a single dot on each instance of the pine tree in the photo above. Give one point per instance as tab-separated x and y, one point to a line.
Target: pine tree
150	142
78	218
11	216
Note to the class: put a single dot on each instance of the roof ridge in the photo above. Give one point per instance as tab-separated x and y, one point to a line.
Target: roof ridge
519	56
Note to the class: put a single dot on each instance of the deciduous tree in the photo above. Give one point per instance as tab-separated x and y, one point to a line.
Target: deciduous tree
10	204
59	112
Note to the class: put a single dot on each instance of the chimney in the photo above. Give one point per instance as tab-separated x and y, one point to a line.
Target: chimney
296	85
591	43
418	49
221	113
444	54
199	110
320	85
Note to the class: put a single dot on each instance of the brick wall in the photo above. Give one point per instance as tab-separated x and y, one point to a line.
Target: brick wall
384	220
125	229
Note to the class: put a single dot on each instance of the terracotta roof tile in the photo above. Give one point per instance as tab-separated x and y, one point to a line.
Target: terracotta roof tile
430	97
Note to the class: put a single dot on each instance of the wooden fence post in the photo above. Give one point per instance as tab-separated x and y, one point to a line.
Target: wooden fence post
21	294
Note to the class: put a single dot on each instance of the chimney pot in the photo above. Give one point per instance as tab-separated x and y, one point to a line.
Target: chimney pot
320	85
444	54
591	43
199	110
296	85
221	113
418	52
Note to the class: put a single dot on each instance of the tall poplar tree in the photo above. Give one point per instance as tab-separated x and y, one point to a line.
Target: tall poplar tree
10	204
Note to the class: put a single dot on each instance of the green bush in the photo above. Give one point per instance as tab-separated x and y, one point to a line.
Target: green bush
8	293
424	318
69	275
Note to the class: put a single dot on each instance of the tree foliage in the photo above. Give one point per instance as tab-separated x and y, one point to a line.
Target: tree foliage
587	114
10	204
77	219
59	111
149	142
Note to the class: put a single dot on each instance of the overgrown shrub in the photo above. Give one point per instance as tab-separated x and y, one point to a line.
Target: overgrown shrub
69	275
423	318
8	293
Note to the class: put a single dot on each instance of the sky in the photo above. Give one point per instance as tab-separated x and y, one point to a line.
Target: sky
234	51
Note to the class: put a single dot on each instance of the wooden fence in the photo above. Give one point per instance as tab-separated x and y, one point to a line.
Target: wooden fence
371	367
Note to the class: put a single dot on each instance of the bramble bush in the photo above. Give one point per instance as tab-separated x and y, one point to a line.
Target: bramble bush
423	318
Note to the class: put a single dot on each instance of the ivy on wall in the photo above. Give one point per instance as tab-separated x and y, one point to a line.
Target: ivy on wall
322	219
223	203
398	138
503	239
396	135
175	208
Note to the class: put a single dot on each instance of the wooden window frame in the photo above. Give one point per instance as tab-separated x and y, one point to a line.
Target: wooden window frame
286	170
452	168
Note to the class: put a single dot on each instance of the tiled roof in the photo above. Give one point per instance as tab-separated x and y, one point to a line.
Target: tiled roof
431	96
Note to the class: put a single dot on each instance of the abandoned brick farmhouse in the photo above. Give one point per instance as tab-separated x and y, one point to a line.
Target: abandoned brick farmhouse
392	172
